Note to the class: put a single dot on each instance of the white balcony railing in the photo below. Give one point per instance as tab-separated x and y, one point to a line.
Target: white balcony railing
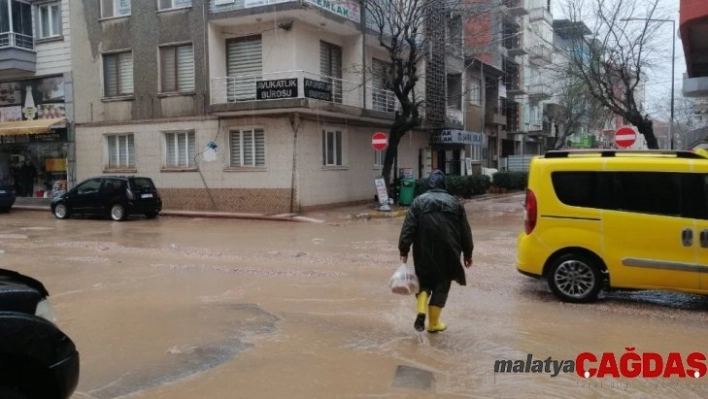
540	14
11	39
300	84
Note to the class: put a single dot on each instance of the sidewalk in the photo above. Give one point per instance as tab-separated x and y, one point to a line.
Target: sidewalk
370	211
43	205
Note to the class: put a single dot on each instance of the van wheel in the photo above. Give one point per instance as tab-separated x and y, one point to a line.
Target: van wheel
575	278
61	211
118	213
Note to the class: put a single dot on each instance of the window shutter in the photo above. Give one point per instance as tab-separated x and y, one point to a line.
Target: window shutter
56	20
330	148
171	153
44	22
126	72
324	147
112	151
185	68
107	8
247	148
236	149
244	60
110	73
181	149
165	4
260	147
191	149
131	151
338	141
169	69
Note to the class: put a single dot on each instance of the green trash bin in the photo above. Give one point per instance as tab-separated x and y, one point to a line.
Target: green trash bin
407	192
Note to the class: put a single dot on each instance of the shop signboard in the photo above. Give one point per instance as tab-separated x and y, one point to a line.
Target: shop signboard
349	9
276	89
452	136
318	90
32	99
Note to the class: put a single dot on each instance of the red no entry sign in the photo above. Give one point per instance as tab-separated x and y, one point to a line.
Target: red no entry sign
379	141
625	137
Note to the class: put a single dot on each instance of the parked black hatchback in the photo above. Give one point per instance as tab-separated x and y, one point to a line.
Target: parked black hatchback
114	196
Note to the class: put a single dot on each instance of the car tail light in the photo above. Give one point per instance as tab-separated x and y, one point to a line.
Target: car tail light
130	194
531	207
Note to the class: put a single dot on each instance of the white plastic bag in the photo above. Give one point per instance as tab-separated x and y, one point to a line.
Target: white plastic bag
403	281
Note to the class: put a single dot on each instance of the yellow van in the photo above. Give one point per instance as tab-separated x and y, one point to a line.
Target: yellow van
616	219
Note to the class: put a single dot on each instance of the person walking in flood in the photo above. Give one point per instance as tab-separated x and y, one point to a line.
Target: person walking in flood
437	227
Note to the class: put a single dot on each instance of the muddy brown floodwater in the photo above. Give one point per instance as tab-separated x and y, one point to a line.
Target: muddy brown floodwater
196	308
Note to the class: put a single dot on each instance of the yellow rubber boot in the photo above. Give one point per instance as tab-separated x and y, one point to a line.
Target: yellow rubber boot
435	325
419	324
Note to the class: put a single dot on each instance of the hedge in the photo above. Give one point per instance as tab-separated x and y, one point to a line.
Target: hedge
510	180
460	186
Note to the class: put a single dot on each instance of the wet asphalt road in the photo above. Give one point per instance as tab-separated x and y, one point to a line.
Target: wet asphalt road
197	308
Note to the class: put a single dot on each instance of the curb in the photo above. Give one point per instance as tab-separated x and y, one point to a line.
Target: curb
380	215
203	214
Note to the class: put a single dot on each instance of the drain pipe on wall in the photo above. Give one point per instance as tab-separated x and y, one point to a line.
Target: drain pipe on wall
295	124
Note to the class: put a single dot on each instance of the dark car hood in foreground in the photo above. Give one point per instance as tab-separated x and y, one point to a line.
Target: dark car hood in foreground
19	293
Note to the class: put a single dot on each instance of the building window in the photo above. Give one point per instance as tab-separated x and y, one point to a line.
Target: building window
121	151
476	152
16	24
379	157
331	68
115	8
454	91
49	20
180	150
332	148
118	74
173	4
475	92
382	98
244	67
177	68
248	148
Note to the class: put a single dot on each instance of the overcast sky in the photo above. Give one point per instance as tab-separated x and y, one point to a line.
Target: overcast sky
658	80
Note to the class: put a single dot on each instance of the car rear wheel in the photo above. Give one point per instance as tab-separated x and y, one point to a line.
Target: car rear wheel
61	211
575	278
118	213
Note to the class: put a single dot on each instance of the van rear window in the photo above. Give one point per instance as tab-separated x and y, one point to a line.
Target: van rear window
142	183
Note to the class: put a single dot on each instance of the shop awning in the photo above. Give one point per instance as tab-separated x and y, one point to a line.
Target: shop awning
40	126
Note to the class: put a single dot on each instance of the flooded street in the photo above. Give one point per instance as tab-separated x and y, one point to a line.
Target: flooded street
203	308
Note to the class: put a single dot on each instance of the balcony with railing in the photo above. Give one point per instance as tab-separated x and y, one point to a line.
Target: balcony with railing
292	89
515	45
515	7
540	14
541	54
539	92
17	53
496	113
293	9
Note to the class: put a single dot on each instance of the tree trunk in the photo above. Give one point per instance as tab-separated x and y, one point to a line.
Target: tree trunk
394	138
646	127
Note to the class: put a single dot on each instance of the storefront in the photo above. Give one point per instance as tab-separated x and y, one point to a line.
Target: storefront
33	135
455	151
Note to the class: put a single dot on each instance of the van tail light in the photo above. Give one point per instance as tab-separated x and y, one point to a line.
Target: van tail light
531	211
130	194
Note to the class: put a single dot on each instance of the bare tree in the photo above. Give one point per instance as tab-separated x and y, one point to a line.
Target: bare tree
576	110
613	60
411	31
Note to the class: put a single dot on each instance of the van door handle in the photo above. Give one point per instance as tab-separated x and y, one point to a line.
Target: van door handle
704	238
687	237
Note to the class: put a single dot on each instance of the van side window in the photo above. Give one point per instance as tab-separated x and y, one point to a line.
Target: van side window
694	201
655	193
576	188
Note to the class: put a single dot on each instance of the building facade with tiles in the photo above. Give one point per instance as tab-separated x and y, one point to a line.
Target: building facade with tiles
236	106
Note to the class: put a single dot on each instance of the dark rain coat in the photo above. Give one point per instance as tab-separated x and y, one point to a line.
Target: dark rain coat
437	227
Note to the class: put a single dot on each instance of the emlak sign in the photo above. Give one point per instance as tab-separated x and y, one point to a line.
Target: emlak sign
630	364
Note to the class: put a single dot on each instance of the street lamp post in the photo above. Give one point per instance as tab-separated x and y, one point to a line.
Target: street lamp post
673	68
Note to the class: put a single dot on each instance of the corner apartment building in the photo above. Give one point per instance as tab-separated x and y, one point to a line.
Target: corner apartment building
264	106
36	93
693	27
